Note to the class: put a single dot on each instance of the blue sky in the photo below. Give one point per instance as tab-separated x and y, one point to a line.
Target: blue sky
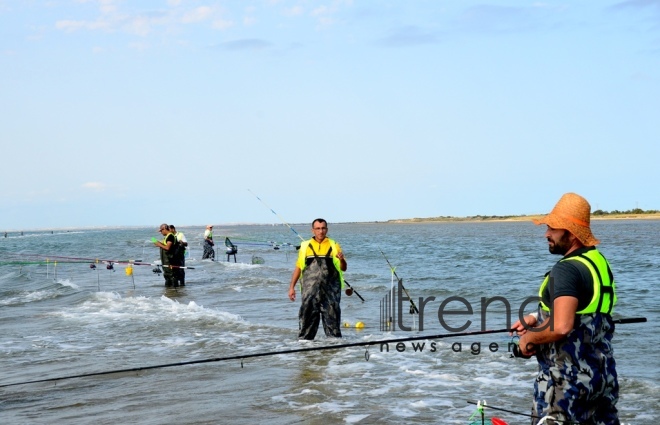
134	113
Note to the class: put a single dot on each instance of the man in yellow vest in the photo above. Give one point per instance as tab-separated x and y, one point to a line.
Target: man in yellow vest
571	333
168	255
321	263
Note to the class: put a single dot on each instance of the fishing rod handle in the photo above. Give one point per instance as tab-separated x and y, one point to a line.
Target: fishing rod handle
630	320
518	353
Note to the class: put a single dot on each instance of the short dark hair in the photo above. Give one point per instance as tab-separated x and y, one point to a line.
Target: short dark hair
319	220
172	227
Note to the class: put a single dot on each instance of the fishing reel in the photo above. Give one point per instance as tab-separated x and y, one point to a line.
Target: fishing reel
156	270
349	291
516	352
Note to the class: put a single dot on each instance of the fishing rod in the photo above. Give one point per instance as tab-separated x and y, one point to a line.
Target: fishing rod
484	405
516	348
413	307
253	242
242	357
99	260
302	239
277	215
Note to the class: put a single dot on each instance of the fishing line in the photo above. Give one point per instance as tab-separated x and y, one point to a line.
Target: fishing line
245	241
302	239
108	262
521	414
277	215
413	307
295	350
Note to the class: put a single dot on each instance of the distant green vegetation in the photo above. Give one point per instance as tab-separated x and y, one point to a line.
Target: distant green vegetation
633	211
597	213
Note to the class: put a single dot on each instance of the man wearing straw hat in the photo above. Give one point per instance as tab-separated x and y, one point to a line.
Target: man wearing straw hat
571	333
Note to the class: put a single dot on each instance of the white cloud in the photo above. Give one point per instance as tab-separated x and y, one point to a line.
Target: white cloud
139	26
222	24
70	26
196	15
294	11
96	186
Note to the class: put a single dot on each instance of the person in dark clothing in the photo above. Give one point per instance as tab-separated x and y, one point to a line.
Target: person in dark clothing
209	252
180	272
168	255
321	263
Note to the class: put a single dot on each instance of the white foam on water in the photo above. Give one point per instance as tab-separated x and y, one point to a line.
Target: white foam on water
403	412
68	283
334	407
106	306
34	296
353	419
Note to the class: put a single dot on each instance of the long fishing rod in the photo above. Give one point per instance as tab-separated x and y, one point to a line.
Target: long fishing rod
486	406
277	215
413	307
302	239
295	350
253	242
99	260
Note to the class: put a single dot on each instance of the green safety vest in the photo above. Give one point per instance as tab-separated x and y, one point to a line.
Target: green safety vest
604	296
335	260
164	241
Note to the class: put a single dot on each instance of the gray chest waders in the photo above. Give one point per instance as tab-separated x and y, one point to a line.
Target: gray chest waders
321	294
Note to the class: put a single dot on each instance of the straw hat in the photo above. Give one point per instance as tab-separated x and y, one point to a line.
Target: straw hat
572	213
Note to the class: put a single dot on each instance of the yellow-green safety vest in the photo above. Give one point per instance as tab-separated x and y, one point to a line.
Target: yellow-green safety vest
335	260
604	296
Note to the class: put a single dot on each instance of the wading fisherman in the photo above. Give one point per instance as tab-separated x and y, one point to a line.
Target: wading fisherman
168	255
180	272
209	252
571	333
321	263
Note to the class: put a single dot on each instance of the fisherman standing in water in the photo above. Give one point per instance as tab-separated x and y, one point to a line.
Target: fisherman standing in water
571	333
209	252
180	272
168	255
321	263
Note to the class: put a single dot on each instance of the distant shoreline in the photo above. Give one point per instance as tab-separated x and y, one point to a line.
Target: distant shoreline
482	219
442	219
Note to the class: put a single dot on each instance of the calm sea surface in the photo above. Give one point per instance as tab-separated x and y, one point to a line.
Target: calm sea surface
66	318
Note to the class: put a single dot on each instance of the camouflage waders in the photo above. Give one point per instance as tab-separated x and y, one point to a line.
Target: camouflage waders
577	380
321	293
209	252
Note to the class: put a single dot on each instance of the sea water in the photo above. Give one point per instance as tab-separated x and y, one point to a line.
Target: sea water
68	307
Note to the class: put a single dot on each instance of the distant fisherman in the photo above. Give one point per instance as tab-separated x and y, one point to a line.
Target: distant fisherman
180	272
209	252
321	263
168	255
